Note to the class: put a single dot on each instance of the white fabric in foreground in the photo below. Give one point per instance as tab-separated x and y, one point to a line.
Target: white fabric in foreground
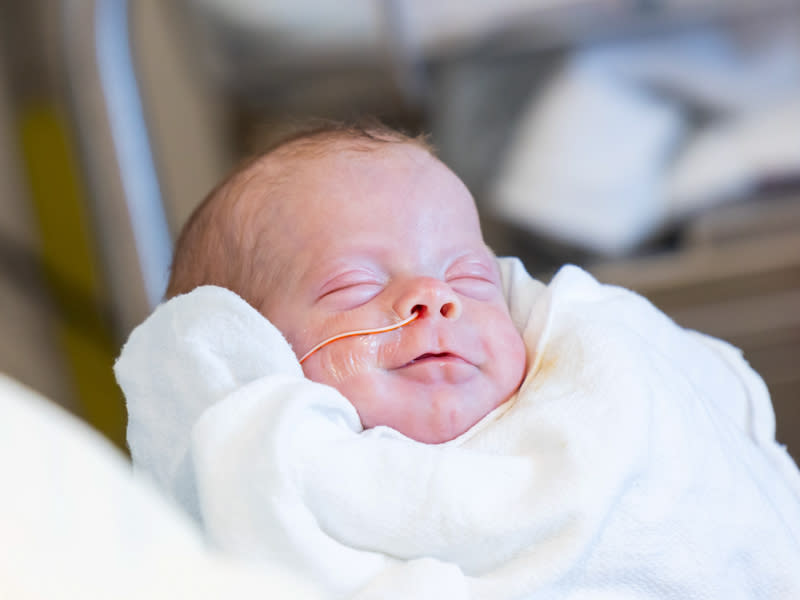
638	459
75	523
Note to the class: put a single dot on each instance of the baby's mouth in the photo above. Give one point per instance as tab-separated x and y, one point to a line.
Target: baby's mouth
438	368
433	356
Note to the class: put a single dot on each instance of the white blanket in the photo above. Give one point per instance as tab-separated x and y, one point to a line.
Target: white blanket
638	459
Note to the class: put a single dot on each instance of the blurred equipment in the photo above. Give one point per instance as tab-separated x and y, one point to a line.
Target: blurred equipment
116	153
629	139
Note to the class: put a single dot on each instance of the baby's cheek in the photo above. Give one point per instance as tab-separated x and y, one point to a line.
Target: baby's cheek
516	360
347	359
508	355
335	367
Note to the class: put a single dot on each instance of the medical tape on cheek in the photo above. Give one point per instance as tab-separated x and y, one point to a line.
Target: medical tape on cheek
347	334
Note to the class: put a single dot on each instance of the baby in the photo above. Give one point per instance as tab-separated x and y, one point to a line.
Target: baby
347	229
346	383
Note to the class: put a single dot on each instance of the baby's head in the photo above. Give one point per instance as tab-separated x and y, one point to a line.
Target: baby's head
344	229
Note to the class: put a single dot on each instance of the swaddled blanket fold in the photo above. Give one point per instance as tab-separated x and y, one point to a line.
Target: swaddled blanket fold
636	461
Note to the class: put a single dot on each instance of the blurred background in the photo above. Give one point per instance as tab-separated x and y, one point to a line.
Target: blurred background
654	142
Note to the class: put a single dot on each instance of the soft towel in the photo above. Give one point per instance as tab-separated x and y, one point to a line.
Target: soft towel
637	460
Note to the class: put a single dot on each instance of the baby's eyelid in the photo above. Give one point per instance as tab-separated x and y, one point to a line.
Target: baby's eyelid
486	276
347	281
355	284
475	271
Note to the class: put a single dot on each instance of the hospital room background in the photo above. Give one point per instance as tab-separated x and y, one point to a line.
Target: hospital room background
654	142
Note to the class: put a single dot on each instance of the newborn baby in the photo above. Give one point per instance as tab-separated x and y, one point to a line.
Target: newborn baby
339	231
499	438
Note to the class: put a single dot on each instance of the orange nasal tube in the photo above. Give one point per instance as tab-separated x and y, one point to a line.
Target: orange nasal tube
347	334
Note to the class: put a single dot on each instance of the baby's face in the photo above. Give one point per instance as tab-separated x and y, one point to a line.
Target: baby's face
371	236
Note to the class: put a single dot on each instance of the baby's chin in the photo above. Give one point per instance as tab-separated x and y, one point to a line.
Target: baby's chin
428	420
436	435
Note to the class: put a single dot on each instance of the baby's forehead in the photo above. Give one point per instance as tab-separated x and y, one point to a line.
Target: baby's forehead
349	184
279	177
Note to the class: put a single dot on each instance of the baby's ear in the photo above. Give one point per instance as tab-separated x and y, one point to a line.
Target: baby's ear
520	290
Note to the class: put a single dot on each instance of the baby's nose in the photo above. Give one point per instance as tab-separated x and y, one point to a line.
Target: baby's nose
430	297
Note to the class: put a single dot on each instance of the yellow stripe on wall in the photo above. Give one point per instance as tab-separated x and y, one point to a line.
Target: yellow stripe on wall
71	268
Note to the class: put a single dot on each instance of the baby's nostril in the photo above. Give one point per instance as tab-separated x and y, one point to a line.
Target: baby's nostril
447	310
418	308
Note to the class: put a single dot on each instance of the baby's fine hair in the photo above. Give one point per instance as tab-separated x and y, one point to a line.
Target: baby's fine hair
217	245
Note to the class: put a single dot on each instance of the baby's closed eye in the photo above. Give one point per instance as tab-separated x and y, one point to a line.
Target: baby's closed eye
474	280
350	290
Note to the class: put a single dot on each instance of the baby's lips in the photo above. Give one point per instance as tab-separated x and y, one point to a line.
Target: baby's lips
431	353
436	368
